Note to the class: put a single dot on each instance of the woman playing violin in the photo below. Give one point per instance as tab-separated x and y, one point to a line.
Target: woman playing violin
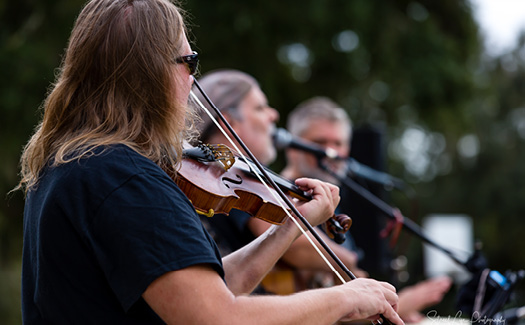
108	236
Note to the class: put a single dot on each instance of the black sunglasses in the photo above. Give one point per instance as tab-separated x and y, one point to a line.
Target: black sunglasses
191	60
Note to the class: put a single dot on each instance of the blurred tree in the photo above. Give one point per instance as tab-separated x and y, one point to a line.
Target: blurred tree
490	185
379	59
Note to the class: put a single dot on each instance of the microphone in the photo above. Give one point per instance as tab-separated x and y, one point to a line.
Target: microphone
283	139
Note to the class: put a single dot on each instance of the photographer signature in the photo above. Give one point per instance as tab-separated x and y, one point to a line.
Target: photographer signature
476	318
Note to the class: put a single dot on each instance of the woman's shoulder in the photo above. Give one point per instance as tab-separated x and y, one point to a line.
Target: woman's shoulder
110	166
115	158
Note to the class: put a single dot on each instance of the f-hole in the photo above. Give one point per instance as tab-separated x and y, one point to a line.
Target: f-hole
237	181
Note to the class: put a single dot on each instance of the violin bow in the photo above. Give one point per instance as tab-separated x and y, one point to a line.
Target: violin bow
282	196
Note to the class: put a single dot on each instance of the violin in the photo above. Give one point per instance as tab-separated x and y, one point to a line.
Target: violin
276	187
216	181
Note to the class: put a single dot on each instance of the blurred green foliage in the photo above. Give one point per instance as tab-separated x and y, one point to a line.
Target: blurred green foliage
414	66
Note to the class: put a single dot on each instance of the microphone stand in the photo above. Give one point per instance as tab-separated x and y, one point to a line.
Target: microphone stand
475	264
389	211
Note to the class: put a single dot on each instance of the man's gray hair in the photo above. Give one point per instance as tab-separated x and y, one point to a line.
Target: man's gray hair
308	112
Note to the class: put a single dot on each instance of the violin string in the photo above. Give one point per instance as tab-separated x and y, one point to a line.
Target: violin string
278	198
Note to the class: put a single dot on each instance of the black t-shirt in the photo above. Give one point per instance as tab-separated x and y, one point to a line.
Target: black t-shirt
97	232
230	231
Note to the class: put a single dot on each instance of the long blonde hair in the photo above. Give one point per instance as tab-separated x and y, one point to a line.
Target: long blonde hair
116	84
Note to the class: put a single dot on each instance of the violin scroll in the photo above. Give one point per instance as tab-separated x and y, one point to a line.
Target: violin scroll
337	226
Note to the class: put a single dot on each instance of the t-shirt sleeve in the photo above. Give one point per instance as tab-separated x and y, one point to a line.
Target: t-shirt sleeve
144	229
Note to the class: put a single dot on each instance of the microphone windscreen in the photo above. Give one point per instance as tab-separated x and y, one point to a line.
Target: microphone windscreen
282	138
